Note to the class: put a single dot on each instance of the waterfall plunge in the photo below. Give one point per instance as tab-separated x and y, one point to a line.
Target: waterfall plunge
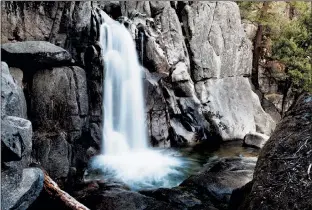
125	153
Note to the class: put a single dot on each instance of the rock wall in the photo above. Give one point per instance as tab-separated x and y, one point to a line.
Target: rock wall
57	102
196	56
203	53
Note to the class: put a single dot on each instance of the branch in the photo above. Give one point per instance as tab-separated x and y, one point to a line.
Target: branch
54	191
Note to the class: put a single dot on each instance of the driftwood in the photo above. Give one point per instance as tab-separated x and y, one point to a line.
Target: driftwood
53	190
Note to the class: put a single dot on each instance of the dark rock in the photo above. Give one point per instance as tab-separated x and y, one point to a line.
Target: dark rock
156	110
211	187
59	110
96	134
239	195
20	194
175	196
59	99
91	152
111	8
221	176
284	162
119	199
53	154
66	24
34	54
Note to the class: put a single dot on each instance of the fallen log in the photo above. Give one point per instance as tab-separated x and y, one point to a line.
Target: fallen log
53	190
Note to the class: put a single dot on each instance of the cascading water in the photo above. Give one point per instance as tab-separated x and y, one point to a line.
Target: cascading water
125	153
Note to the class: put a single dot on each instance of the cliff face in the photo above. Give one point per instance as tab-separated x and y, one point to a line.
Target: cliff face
204	57
196	56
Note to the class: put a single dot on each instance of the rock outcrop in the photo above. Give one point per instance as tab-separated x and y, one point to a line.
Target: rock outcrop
203	48
35	54
57	102
20	195
66	24
282	177
13	103
20	185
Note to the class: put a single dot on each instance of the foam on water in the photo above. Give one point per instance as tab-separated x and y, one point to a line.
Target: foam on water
125	153
141	169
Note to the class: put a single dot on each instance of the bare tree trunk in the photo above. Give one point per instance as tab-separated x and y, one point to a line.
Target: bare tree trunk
52	189
256	57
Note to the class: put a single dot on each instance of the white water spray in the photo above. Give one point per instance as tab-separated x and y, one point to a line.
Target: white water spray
125	153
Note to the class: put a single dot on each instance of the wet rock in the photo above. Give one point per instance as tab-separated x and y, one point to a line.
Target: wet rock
20	194
239	195
221	176
95	75
255	139
34	53
156	110
211	187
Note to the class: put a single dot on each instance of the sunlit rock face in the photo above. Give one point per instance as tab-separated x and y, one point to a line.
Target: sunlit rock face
203	48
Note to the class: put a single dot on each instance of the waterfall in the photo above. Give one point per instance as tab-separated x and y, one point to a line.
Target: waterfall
125	153
123	105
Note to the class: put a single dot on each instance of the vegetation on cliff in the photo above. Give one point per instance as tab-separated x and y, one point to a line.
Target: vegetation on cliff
284	34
